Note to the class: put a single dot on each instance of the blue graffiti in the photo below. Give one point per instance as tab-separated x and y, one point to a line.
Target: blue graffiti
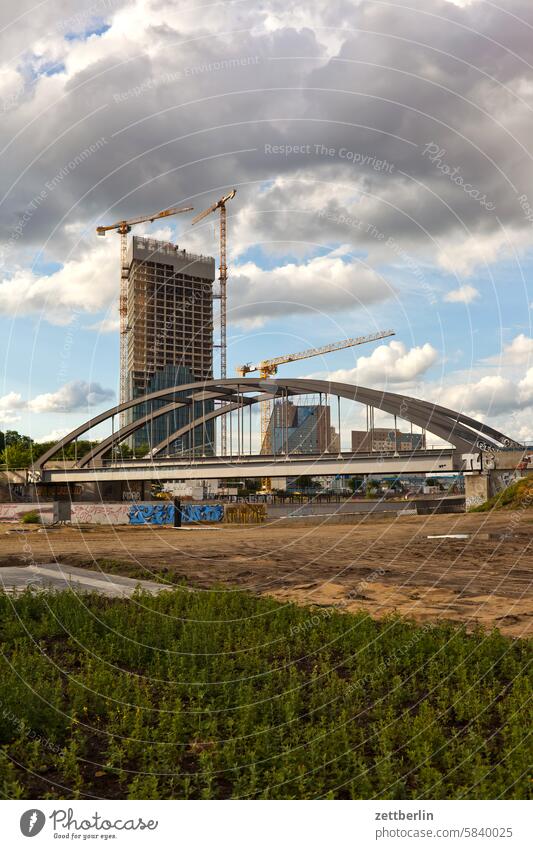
151	514
163	514
202	513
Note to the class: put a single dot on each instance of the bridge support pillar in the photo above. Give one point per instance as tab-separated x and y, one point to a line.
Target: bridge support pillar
477	489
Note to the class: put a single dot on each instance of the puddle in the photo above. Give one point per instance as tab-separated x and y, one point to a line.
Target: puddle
502	536
449	536
497	535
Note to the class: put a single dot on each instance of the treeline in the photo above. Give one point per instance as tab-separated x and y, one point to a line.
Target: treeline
18	451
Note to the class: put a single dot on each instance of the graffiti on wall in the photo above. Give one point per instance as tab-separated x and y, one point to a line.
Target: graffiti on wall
202	513
163	514
99	514
151	514
246	514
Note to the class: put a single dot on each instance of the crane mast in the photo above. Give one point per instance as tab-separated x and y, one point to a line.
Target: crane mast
223	280
223	277
123	315
123	228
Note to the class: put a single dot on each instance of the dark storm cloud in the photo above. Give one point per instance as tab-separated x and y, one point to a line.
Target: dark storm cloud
187	104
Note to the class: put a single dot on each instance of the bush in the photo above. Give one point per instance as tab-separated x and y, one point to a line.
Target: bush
31	518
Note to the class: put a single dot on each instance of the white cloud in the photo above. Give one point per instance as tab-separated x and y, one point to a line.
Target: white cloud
526	389
463	295
392	363
490	395
72	397
88	284
11	401
325	284
10	404
110	324
519	351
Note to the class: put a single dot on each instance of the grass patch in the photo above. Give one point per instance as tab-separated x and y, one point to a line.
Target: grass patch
127	569
517	496
221	694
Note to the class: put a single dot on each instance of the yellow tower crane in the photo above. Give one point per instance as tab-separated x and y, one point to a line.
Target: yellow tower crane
268	368
223	278
123	228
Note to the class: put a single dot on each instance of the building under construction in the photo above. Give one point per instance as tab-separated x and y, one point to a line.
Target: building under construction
169	334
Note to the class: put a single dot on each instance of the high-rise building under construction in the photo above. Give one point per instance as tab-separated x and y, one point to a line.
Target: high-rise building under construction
170	336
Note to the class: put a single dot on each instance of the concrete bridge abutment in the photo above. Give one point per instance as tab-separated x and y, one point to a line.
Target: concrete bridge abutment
497	473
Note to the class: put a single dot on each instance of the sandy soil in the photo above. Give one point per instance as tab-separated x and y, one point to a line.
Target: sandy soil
377	564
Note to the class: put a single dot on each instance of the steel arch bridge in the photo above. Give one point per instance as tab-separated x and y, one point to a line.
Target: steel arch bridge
464	434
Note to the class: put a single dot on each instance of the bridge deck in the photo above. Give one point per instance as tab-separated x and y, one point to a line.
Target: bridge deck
435	461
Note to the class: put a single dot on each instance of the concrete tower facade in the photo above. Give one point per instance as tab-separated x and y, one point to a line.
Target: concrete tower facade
170	331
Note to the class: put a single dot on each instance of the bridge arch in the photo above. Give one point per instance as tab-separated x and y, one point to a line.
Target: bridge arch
463	432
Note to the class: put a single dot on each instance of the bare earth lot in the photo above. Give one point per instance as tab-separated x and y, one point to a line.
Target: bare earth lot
378	564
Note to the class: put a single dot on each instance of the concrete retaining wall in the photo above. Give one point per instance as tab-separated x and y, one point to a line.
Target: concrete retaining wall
121	513
162	512
14	512
97	514
479	488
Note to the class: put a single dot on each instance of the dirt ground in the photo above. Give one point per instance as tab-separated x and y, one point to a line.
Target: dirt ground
380	564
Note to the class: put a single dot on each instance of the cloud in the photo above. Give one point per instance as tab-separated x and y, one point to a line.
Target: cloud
110	324
72	397
10	404
526	389
463	295
85	284
519	351
470	60
325	284
346	82
392	363
490	395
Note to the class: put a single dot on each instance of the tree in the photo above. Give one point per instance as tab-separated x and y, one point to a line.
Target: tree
141	451
305	482
356	483
118	452
17	456
372	487
13	437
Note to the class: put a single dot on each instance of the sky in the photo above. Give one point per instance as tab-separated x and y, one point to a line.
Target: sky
381	152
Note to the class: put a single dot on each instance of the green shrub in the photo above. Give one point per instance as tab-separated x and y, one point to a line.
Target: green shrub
32	517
